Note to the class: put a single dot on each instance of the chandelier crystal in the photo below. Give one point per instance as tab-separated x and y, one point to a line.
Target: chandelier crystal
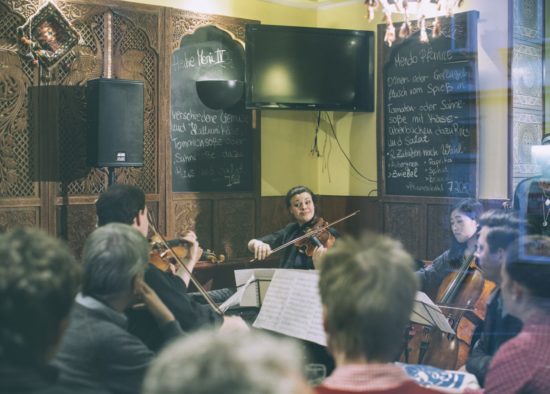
421	8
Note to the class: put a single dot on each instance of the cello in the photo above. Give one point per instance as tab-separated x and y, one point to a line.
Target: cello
462	297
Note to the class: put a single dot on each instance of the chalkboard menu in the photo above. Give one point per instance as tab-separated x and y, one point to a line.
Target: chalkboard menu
211	148
430	111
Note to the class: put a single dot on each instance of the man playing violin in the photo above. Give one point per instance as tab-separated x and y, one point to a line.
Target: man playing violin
300	204
126	204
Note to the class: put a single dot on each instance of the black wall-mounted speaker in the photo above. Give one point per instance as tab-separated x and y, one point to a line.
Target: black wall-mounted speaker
115	123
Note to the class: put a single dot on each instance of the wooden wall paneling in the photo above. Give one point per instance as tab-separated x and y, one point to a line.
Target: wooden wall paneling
76	222
11	217
407	223
438	230
21	199
332	208
273	215
235	226
196	215
133	35
368	219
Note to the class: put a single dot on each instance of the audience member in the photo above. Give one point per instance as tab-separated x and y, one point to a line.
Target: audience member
367	290
521	364
498	230
38	280
532	195
97	353
228	362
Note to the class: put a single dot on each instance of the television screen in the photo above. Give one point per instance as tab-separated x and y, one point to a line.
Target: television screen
309	68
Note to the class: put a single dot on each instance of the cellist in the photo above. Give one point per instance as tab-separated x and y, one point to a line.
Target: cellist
464	220
126	204
301	206
446	280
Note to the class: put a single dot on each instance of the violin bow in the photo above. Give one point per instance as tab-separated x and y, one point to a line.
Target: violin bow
310	233
199	287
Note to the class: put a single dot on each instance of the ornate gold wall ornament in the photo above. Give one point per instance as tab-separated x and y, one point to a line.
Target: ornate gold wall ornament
47	36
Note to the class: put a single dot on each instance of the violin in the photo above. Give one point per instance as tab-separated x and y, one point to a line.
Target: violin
321	236
173	254
162	257
307	239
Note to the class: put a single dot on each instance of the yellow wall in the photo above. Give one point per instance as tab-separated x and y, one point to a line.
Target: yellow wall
287	136
355	131
359	130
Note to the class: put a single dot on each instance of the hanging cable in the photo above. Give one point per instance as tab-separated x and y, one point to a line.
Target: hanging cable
344	153
315	147
326	152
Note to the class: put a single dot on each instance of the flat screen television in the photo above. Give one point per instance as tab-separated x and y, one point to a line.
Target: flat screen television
309	68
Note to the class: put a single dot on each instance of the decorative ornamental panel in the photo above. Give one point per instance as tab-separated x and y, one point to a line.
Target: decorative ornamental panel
236	226
76	223
15	122
18	217
195	215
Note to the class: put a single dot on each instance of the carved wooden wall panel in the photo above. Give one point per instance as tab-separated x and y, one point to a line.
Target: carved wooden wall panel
76	223
15	125
236	225
195	215
135	55
43	120
13	217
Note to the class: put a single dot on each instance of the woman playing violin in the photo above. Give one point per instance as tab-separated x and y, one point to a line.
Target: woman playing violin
464	227
300	204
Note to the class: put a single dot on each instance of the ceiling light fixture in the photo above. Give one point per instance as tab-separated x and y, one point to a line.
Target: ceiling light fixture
421	8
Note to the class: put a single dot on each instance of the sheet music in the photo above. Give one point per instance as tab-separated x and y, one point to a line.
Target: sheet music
427	313
252	285
292	306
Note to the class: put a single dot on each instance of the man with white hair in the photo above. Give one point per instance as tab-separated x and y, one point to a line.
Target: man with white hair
239	362
98	354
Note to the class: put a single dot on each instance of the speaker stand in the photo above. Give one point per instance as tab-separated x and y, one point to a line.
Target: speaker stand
111	176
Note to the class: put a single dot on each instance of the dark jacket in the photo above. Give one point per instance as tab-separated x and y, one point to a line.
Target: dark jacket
431	276
29	380
292	256
172	291
497	328
98	354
